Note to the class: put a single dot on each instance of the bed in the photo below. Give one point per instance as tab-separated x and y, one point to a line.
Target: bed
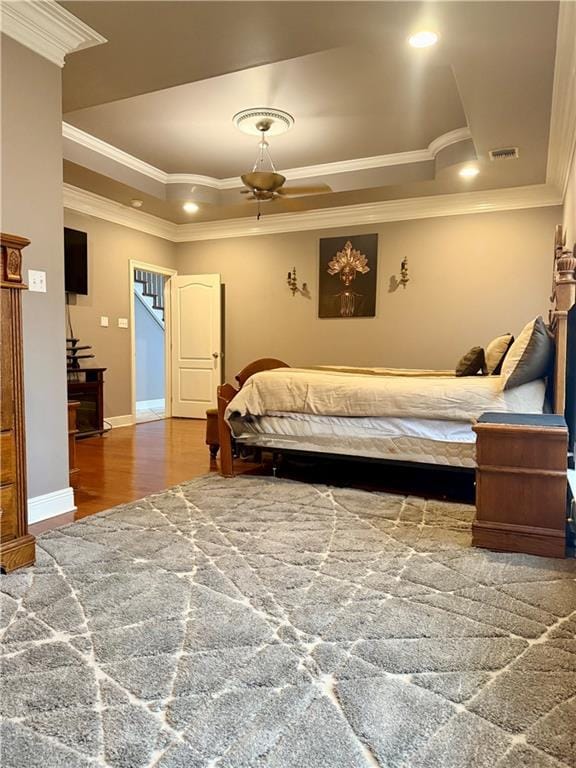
410	418
418	417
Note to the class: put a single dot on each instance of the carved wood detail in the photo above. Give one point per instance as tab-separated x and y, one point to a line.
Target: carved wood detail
17	545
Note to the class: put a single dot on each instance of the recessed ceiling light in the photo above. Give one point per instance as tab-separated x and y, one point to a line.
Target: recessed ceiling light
469	171
191	207
423	39
135	203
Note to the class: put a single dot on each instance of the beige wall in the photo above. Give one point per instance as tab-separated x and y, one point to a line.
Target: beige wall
570	206
472	277
110	248
31	185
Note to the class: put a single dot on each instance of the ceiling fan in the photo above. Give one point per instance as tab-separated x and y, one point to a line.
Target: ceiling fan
264	183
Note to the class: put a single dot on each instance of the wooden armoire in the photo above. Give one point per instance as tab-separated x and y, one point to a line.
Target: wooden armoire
17	547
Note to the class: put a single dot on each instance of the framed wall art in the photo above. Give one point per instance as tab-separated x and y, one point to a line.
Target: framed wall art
347	281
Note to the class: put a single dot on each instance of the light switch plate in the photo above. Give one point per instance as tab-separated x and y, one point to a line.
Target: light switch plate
122	322
36	281
104	322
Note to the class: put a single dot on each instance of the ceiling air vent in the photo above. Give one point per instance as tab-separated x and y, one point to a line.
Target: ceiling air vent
507	153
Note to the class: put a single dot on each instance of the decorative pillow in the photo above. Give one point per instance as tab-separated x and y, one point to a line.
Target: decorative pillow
472	363
496	352
530	356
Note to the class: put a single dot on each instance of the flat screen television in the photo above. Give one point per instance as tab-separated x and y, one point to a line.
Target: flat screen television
75	261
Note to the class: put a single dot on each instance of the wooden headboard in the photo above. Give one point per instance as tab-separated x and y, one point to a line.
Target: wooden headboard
563	300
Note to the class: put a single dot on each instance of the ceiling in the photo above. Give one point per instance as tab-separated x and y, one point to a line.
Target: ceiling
165	86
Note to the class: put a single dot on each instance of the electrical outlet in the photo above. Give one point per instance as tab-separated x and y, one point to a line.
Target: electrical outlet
36	281
122	322
104	322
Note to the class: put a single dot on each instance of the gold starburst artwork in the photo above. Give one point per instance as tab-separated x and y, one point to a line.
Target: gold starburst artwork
347	262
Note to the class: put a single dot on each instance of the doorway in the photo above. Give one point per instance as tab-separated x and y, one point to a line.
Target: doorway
150	328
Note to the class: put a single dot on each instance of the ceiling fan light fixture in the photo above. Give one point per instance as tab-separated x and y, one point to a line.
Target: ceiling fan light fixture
258	121
264	181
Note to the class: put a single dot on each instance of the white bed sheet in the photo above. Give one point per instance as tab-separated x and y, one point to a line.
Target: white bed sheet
310	425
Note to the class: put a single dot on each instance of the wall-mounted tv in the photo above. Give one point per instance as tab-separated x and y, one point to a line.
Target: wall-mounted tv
75	261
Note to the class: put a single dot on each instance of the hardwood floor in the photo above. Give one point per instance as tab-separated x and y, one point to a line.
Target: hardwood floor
130	462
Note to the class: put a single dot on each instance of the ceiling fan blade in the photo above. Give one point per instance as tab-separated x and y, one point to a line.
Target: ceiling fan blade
309	189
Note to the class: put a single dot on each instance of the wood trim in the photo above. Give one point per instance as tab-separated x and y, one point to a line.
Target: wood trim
515	528
18	553
545	544
19	550
558	433
531	472
563	299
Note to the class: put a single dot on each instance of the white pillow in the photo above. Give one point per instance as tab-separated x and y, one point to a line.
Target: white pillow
496	352
530	357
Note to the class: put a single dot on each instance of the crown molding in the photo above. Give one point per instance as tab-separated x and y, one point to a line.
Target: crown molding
368	163
536	196
47	28
111	152
375	213
562	145
81	201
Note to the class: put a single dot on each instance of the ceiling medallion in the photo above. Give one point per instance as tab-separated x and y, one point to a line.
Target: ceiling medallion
259	120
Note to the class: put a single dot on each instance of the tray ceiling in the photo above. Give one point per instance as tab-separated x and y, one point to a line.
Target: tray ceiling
166	85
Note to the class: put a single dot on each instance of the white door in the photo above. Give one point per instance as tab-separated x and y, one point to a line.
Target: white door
196	344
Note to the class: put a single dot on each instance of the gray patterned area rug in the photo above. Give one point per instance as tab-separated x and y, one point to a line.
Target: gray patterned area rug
254	622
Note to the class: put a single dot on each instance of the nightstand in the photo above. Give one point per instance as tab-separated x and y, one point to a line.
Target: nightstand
521	483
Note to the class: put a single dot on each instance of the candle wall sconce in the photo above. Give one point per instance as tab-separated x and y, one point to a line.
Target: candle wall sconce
403	280
404	277
292	282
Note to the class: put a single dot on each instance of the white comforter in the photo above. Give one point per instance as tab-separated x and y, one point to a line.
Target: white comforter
373	394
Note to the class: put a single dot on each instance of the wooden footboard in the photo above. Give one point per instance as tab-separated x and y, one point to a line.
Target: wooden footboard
225	395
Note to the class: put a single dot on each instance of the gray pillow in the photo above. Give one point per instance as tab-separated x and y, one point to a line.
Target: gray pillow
471	363
530	356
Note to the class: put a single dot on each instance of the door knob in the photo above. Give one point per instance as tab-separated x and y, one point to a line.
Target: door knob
215	355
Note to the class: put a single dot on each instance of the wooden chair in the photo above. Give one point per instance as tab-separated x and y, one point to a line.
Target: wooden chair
226	393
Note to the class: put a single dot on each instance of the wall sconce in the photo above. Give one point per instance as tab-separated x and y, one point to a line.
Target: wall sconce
292	282
404	278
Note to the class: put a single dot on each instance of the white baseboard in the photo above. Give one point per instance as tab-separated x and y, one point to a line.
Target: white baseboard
119	421
50	505
144	404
